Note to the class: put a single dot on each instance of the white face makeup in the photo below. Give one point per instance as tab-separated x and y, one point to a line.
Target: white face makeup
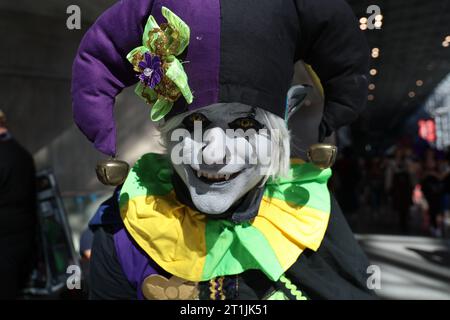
220	153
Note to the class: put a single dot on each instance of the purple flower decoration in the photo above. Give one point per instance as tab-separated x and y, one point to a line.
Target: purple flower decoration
151	71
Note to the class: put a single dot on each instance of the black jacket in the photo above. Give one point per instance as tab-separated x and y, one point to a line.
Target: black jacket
17	189
17	216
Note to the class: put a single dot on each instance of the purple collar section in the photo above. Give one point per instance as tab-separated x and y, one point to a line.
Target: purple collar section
202	57
136	265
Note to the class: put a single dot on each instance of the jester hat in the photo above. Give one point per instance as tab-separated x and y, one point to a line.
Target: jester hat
185	55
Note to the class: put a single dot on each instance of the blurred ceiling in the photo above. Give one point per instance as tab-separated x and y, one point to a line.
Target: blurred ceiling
411	62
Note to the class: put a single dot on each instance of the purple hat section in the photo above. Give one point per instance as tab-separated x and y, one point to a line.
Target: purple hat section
202	56
101	71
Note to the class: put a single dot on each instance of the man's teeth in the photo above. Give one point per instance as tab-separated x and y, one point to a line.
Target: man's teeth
213	176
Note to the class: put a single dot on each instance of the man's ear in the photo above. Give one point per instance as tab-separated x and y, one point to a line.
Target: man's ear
295	98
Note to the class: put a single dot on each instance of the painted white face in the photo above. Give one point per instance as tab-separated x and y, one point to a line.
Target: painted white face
220	153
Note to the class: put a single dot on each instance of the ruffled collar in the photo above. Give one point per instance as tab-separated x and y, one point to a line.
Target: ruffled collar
293	215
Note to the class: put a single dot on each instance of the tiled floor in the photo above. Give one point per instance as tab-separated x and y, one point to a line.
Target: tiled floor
410	267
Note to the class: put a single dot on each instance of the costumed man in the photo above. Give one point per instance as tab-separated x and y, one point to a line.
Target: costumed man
225	214
18	217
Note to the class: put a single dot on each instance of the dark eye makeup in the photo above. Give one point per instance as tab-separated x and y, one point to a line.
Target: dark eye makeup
245	123
188	122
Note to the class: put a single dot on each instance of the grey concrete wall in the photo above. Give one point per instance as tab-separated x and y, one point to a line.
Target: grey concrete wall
36	57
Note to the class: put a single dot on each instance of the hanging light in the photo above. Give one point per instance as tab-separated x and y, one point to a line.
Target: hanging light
419	83
371	86
363	23
378	21
370	97
373	72
375	52
411	94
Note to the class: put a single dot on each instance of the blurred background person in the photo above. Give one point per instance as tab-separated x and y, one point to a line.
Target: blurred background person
375	183
17	213
400	187
432	188
349	176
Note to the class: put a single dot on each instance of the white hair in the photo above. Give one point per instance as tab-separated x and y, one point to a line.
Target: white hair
281	150
280	141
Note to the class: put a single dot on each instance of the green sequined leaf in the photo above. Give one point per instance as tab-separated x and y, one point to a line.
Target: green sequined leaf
132	54
176	73
160	109
150	25
179	25
147	94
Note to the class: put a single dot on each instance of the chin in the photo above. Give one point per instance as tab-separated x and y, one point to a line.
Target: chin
212	205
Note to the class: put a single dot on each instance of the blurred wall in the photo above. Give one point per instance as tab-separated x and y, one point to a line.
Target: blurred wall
35	72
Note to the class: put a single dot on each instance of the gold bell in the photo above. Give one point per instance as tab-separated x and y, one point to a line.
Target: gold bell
112	172
322	155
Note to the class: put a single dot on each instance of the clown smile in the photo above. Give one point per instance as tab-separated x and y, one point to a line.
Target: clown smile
214	177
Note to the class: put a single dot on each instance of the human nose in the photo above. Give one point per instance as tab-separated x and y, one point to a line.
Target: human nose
214	151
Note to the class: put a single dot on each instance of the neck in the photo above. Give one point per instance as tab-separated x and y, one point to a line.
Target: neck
3	130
